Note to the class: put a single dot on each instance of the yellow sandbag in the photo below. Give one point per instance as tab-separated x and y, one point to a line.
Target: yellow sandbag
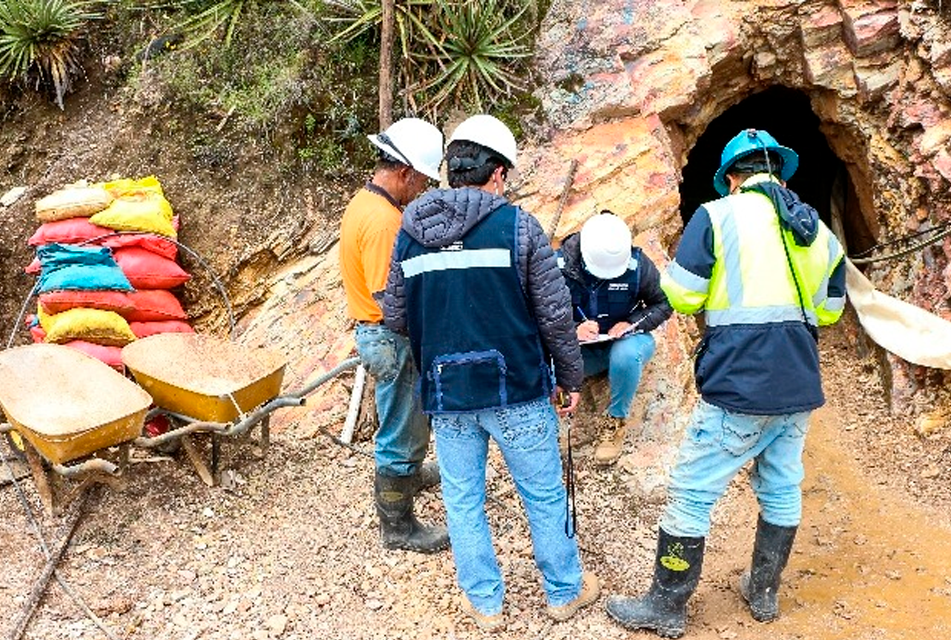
91	325
123	186
72	202
143	211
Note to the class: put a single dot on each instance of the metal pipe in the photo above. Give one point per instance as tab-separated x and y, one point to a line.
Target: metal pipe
191	427
97	465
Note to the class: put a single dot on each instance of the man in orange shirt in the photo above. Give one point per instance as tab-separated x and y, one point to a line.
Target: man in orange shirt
410	154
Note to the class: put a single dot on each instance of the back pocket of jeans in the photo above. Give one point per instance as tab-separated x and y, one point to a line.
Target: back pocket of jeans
469	381
740	435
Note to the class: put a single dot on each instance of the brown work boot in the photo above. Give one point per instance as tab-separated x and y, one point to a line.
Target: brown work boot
590	590
486	623
611	439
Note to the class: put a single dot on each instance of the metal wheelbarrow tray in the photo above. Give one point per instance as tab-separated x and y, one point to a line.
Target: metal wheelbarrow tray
203	377
67	404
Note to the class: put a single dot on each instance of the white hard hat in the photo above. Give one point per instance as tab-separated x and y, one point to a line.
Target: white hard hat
413	142
605	246
490	132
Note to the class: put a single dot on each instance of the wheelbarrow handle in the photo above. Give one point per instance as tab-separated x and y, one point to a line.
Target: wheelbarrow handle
97	465
293	399
349	363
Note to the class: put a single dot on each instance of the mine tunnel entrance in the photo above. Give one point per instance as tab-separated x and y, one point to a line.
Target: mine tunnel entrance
821	180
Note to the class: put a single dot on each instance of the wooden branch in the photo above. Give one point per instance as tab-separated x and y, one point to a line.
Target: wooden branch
569	181
387	38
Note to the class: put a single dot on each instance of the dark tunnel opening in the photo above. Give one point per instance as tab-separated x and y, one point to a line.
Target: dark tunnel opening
821	179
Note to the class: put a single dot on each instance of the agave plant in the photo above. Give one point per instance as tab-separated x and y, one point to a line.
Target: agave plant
456	51
206	22
478	53
39	41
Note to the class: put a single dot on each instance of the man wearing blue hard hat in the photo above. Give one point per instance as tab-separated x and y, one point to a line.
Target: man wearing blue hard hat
767	273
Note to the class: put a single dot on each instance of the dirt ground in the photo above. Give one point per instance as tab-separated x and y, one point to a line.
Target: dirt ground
290	550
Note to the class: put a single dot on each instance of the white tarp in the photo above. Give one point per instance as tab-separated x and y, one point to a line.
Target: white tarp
910	332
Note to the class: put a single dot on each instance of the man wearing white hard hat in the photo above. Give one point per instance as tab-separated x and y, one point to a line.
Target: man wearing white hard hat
475	284
410	152
617	301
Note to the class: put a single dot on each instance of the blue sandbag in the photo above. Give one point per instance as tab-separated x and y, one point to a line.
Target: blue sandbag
69	267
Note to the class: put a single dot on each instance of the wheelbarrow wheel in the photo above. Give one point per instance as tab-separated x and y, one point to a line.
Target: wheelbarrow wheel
15	442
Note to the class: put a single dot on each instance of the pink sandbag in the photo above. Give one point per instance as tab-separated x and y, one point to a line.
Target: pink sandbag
37	333
147	270
111	355
145	329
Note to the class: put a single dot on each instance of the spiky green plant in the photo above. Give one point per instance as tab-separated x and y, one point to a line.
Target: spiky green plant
40	41
451	51
478	53
209	20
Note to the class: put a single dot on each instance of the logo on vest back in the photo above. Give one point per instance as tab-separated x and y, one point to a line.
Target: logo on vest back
455	246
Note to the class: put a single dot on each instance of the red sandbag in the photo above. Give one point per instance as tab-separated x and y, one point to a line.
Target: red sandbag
154	304
147	270
58	301
68	231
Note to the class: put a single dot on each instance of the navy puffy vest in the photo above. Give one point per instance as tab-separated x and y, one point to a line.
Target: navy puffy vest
472	333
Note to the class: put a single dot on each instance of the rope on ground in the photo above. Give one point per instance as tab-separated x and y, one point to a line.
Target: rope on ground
941	231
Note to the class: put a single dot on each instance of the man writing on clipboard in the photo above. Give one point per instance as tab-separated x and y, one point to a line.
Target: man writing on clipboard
617	302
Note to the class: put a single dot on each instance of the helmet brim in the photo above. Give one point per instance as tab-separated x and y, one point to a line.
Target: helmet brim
790	164
429	172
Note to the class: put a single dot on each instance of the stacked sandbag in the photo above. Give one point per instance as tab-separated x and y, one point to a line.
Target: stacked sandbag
80	253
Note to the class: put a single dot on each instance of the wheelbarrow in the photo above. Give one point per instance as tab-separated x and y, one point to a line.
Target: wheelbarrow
215	386
67	409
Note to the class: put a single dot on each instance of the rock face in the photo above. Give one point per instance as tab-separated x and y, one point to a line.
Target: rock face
634	85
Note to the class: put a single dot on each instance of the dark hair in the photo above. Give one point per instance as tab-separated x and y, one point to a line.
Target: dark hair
470	164
756	162
387	162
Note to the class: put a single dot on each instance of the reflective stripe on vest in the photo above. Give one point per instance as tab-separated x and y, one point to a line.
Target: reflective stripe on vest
752	282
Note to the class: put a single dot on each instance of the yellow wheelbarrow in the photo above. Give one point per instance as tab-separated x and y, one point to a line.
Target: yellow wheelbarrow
212	385
68	409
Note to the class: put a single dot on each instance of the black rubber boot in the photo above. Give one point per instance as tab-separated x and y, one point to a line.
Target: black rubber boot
760	585
426	476
676	574
399	528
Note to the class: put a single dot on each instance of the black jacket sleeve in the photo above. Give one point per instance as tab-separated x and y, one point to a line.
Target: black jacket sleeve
550	301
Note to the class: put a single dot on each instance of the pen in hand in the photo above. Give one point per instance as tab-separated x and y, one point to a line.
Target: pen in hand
581	311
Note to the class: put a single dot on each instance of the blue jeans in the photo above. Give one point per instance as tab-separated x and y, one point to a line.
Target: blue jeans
527	436
624	361
716	446
403	436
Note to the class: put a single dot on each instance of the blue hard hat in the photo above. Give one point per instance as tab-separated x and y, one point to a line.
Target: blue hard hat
746	142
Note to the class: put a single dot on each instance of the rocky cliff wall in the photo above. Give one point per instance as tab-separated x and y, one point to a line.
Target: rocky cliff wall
635	86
